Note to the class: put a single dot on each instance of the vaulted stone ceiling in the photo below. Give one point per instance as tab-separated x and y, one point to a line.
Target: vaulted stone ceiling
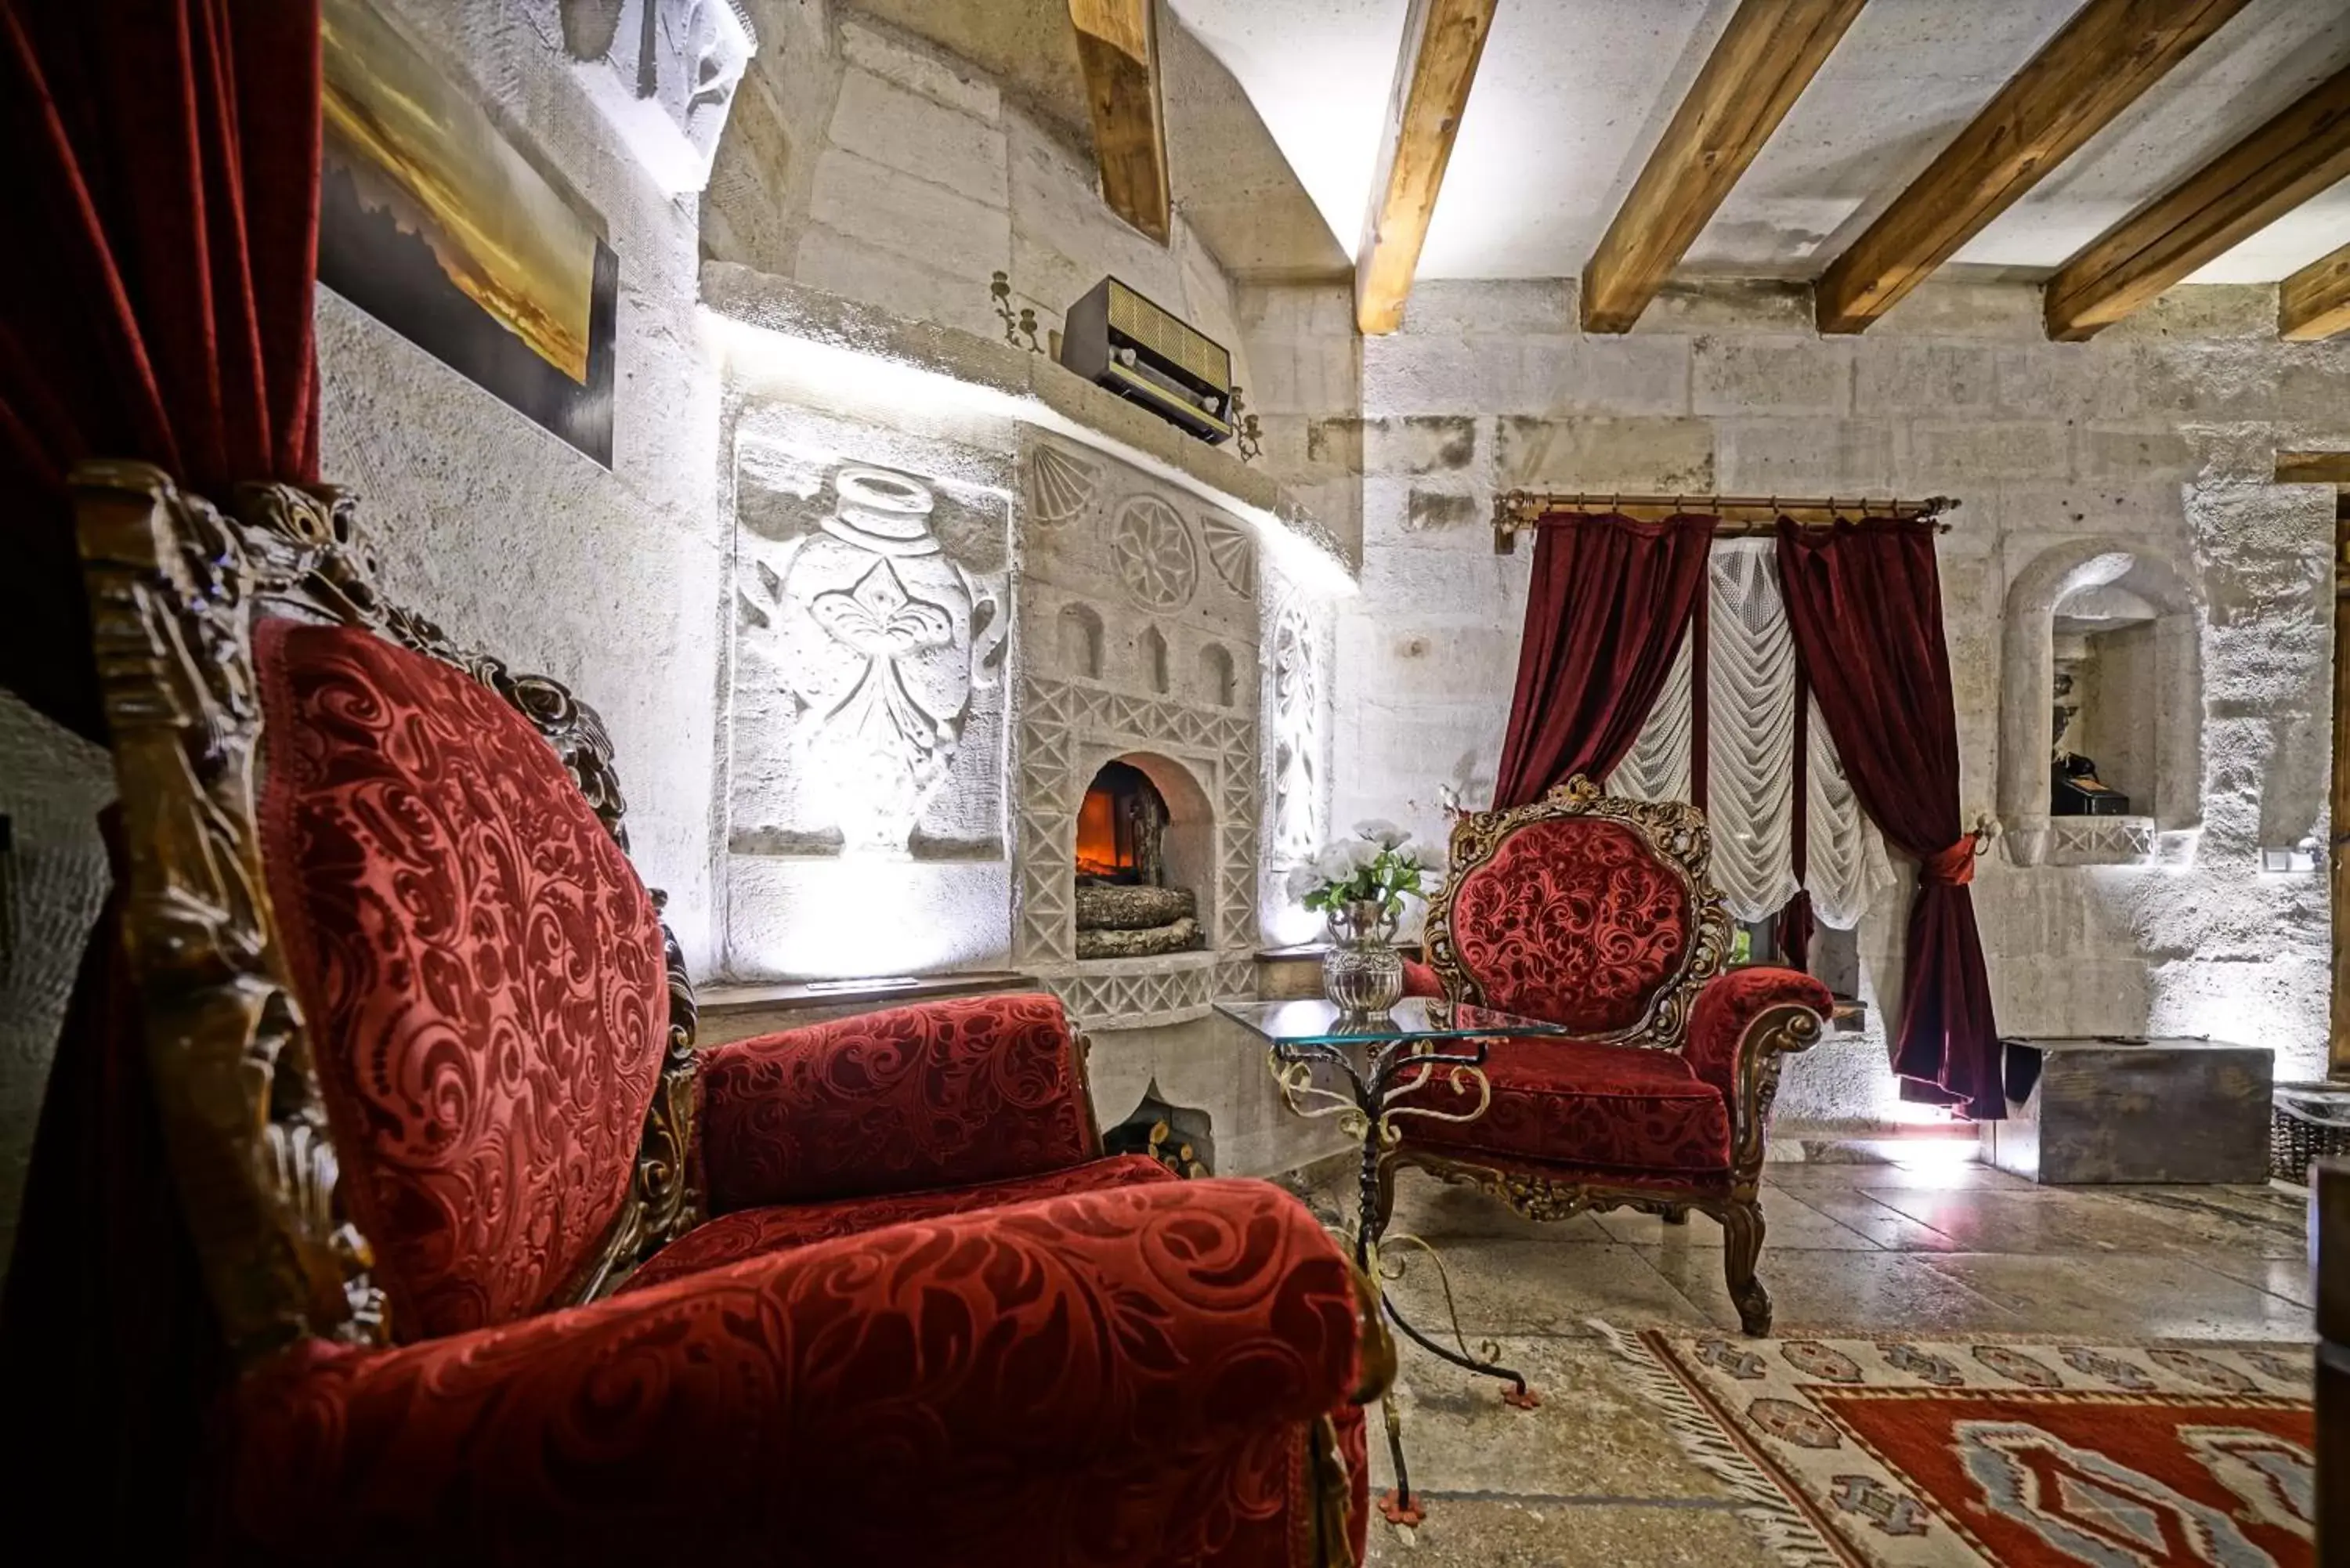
1229	177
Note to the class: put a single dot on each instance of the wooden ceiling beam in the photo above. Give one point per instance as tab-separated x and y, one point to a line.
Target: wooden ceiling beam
2259	180
2313	468
1760	66
1118	52
1442	40
2315	302
2105	56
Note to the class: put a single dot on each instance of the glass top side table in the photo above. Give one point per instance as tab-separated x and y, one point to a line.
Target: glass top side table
1383	1069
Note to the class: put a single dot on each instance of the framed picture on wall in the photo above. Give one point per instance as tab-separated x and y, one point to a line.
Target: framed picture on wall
432	220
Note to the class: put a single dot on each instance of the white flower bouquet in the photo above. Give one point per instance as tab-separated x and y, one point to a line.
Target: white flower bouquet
1376	863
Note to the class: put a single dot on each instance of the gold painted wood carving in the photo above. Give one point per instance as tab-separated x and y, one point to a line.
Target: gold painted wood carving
174	588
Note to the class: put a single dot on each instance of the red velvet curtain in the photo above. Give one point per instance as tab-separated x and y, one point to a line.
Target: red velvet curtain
160	214
1605	613
1865	603
155	291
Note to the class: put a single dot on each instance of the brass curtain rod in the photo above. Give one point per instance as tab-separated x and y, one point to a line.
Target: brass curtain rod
1519	511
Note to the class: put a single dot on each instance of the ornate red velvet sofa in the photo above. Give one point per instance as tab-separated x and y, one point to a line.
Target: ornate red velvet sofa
514	1275
1593	912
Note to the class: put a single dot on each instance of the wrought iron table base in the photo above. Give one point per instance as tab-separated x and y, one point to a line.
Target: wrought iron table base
1369	1109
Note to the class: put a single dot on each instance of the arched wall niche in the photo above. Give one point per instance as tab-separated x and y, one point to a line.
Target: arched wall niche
1080	630
1219	680
2123	612
1150	647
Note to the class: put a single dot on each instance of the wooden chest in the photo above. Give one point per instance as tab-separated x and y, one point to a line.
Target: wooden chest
2113	1108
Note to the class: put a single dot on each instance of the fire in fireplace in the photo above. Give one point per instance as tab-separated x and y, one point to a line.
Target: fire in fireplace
1124	907
1120	827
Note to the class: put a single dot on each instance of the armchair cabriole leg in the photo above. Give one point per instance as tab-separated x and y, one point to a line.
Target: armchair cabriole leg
1742	1245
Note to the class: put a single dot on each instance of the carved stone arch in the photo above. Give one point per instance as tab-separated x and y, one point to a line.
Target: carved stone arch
2062	573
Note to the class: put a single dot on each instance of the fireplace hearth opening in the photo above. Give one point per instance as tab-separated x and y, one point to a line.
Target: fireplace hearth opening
1127	834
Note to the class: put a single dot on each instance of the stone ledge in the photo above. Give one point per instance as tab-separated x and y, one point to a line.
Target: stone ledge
739	1011
1025	386
2100	841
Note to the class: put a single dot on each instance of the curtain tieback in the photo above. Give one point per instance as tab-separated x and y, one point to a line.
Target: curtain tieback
1951	868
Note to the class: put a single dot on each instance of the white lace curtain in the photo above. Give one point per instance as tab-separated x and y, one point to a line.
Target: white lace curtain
1751	755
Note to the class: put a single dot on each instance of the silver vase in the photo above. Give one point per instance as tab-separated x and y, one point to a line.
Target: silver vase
1362	974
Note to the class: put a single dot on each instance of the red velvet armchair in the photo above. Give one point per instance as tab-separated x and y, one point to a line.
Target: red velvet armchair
1593	912
514	1275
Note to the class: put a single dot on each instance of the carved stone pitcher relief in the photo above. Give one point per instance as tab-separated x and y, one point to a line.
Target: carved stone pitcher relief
882	640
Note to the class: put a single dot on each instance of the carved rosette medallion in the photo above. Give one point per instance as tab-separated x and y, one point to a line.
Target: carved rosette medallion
884	640
1151	543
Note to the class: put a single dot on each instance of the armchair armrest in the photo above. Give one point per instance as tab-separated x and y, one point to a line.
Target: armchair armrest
946	1093
1741	1025
1138	1366
1422	979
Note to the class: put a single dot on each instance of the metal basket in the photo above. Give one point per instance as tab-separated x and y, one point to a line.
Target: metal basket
2307	1122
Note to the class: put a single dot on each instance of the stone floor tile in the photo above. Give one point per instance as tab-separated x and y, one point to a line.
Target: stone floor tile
1866	1214
2286	1277
1789	1220
2122	1298
1595	1433
1823	1291
1537	1287
1496	1532
2255	1221
1937	1176
1438	1210
2049	1221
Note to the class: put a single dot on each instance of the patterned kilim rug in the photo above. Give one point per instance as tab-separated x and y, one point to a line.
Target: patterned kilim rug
1936	1453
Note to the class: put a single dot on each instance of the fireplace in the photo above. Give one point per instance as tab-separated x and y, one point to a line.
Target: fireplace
1126	907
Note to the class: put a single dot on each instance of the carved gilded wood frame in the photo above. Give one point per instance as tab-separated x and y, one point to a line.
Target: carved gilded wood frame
175	586
1677	835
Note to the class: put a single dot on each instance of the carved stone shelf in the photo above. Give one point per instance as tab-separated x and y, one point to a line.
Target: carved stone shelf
2100	841
996	378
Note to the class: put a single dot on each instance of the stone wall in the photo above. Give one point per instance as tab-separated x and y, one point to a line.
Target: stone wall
2159	433
867	162
607	579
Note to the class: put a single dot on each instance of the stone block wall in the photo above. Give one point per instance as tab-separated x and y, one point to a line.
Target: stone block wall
2162	430
867	162
607	579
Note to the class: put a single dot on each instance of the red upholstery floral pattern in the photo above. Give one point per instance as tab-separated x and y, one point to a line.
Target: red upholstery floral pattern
981	1088
480	969
1730	1004
755	1232
1420	979
1617	1107
1575	920
1115	1377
